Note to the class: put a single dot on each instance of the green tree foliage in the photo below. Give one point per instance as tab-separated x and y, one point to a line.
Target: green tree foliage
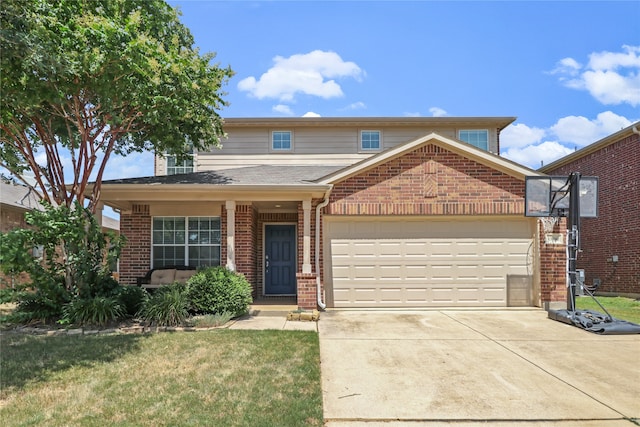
91	78
75	251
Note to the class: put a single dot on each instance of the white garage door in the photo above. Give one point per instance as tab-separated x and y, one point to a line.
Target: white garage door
418	263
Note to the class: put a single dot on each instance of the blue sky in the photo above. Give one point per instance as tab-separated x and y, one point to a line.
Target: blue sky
568	70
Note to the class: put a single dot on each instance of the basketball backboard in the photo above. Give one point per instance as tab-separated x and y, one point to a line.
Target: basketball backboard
549	196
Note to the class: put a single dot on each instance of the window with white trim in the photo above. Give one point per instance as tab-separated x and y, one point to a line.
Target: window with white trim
281	140
184	165
193	241
174	167
370	140
475	137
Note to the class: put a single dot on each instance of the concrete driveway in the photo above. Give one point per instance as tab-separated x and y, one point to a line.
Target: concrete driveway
470	367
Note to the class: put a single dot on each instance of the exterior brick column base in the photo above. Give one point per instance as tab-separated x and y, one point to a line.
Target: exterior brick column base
307	294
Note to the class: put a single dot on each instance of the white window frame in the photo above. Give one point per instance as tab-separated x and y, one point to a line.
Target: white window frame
486	131
272	140
360	140
182	167
186	244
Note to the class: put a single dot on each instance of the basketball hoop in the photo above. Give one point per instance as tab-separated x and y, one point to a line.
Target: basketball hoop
548	223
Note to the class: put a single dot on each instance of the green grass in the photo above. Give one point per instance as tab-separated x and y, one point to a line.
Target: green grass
210	378
619	307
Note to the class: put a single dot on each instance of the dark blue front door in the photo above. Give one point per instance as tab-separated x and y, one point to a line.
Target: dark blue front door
280	259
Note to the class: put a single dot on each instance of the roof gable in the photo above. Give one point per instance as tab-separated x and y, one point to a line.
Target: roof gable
428	180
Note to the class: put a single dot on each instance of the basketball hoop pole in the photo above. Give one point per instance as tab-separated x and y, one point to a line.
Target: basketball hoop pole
573	242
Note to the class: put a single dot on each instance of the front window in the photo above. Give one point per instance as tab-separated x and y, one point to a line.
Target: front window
281	140
477	138
370	140
192	241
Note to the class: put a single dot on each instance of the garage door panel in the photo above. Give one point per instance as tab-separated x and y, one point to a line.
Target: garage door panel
389	264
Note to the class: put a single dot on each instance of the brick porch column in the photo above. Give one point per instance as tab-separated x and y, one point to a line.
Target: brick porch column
306	284
306	239
231	232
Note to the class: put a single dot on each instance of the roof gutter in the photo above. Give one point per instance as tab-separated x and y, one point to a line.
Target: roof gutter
324	203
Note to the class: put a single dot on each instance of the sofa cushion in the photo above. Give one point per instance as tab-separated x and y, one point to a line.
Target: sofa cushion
163	276
183	275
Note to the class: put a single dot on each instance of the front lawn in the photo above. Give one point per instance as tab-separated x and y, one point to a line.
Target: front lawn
210	378
619	307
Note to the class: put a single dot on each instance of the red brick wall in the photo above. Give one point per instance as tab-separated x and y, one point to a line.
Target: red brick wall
246	248
135	259
616	231
306	284
428	181
553	281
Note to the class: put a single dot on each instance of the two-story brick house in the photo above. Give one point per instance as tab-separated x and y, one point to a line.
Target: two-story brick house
610	243
348	212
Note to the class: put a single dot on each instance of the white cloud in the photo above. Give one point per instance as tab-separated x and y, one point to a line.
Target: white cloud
437	112
357	106
613	60
534	156
527	145
611	88
520	135
313	73
283	109
612	78
568	66
580	131
311	114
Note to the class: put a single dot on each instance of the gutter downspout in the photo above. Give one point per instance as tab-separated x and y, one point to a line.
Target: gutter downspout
324	203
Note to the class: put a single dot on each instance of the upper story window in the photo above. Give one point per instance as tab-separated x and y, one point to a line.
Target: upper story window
175	167
281	140
476	137
370	140
185	165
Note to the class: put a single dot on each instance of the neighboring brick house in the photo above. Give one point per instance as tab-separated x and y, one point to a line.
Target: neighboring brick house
15	201
348	212
610	243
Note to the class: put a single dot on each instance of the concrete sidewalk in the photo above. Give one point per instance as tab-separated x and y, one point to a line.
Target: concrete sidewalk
272	317
473	367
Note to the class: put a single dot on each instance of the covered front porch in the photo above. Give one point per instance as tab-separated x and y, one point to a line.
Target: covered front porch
263	228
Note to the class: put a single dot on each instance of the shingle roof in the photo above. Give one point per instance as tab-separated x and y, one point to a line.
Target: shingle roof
252	175
18	196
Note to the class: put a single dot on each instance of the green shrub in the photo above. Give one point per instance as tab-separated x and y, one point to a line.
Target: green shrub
44	304
219	290
131	298
100	284
92	311
11	295
168	306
